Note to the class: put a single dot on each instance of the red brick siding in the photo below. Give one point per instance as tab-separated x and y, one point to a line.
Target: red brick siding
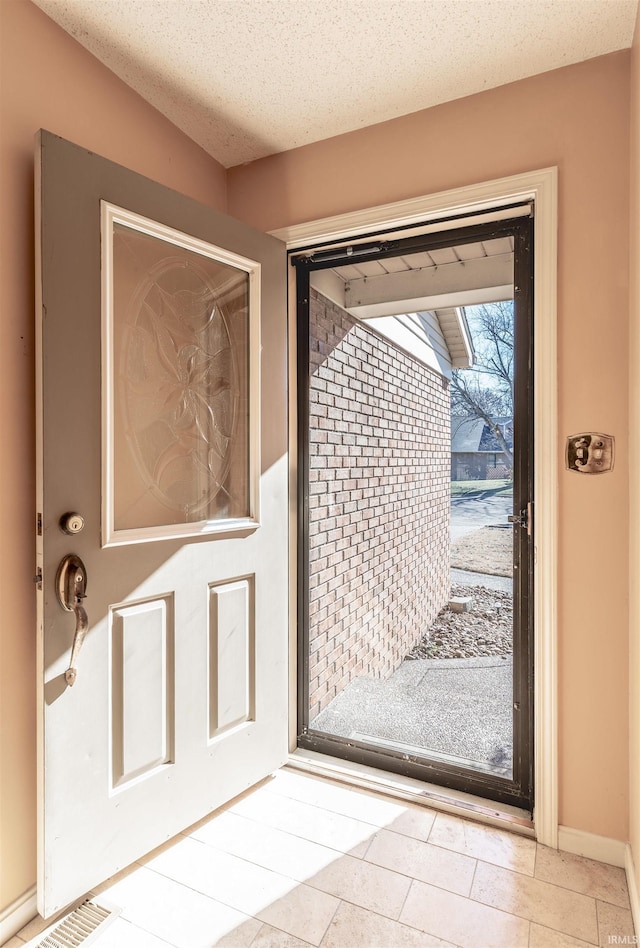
379	446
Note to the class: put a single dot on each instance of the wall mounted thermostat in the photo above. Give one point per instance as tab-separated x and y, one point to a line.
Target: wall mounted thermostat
590	453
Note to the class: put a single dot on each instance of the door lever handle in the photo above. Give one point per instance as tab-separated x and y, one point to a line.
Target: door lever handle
82	624
71	589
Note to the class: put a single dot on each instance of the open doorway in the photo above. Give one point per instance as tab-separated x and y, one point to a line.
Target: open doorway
414	555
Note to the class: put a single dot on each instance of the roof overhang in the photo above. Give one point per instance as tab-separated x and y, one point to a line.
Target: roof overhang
463	283
419	303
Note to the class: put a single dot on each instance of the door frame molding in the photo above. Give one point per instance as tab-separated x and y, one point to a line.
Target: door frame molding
428	212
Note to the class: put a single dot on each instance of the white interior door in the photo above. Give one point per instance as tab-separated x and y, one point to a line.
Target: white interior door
162	426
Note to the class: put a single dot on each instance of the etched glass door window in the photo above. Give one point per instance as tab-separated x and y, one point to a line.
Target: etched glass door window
180	363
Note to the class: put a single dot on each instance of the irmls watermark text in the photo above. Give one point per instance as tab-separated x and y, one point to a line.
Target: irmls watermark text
623	940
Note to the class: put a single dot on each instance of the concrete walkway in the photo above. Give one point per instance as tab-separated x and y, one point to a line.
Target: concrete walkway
456	710
465	577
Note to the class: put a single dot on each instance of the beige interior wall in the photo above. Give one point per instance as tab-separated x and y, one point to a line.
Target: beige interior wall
578	119
47	80
634	465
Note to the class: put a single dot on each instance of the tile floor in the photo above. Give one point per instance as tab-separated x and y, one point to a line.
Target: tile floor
304	861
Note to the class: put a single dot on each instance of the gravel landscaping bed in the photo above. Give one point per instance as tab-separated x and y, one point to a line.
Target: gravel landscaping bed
486	630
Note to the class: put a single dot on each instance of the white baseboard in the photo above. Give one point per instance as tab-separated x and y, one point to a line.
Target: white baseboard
601	848
16	915
632	885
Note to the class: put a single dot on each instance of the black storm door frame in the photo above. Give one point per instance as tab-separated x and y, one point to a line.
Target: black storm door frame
517	791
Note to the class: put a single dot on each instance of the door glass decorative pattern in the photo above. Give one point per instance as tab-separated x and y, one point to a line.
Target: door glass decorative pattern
180	385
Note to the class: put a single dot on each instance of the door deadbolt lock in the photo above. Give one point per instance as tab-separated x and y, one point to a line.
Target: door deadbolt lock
71	523
590	453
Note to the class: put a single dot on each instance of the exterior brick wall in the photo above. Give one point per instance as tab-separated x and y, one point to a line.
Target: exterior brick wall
379	468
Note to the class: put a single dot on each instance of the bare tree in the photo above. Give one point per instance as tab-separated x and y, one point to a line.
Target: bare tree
486	389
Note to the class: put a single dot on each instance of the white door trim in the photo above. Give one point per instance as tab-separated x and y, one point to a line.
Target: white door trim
542	187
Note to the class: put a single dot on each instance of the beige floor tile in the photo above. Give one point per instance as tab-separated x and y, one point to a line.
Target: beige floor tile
542	937
179	914
354	927
416	821
343	833
422	861
338	798
582	875
462	921
304	912
226	878
540	902
268	847
237	938
380	811
484	842
302	861
273	898
269	937
364	884
614	924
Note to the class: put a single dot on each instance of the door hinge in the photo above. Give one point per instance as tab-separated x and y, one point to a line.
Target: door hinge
39	524
38	578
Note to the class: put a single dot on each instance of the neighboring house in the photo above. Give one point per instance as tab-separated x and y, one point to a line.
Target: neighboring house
476	453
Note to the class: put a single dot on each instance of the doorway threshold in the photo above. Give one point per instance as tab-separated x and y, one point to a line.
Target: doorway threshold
500	815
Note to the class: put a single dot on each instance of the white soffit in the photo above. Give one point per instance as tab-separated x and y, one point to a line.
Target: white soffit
249	78
439	279
416	299
454	328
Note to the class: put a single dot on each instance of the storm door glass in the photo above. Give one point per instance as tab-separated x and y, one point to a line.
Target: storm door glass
415	384
179	343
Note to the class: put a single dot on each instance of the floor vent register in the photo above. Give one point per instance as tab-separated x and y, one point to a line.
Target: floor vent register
83	926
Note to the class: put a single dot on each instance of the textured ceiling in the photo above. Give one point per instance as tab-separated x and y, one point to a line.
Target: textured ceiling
248	78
